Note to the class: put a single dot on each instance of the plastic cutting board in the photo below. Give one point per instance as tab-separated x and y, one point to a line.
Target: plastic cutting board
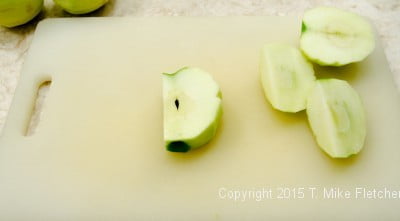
98	152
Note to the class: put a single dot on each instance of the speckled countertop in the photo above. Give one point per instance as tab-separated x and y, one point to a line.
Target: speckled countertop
384	14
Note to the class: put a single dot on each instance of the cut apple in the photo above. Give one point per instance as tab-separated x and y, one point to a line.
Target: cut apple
334	37
192	109
336	116
286	76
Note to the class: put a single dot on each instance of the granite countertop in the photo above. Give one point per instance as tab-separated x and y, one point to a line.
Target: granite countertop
384	14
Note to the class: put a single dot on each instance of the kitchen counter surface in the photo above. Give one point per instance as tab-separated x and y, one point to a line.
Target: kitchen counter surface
384	14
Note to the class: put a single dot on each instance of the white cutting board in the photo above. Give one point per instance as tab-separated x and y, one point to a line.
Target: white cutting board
98	152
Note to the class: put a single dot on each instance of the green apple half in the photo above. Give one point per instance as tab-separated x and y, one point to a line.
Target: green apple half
192	109
18	12
80	6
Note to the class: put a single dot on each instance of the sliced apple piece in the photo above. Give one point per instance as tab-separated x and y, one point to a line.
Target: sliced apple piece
286	76
334	37
192	109
336	116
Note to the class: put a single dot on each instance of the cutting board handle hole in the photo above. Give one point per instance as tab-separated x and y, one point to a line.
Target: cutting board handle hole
40	103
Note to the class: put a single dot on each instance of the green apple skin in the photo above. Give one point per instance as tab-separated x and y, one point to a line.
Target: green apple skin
177	143
80	6
18	12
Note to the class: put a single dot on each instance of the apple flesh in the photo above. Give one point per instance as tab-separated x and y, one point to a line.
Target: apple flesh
286	77
80	6
18	12
192	109
333	37
337	118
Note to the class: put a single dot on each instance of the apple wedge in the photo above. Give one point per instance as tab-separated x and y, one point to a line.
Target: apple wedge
337	118
192	109
286	76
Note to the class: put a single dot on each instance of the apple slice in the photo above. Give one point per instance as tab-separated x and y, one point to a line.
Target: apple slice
286	76
192	109
334	37
336	116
